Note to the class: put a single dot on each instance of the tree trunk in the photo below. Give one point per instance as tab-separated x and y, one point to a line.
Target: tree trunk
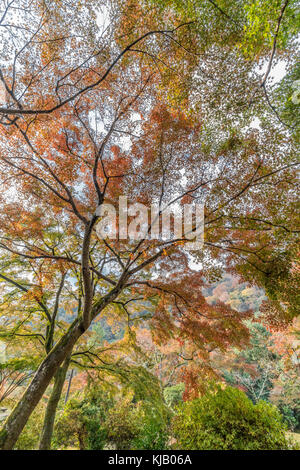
18	418
81	441
59	380
69	386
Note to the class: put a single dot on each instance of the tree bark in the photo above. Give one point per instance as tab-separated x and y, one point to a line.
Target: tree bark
59	380
69	386
18	418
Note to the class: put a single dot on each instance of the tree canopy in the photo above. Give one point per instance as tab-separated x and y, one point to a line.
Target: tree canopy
154	101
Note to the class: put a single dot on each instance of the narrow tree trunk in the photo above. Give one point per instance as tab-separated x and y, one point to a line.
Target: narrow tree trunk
59	380
81	441
18	418
69	386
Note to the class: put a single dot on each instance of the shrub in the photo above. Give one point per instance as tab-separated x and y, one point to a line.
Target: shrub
226	419
82	422
122	423
137	425
173	395
291	415
100	420
152	433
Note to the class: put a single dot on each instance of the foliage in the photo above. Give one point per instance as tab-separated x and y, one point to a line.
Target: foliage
103	419
262	19
285	97
98	111
29	438
137	425
254	368
81	423
286	391
226	419
290	414
173	394
268	369
233	292
153	433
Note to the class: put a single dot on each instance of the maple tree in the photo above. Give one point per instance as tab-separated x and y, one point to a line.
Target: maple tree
155	103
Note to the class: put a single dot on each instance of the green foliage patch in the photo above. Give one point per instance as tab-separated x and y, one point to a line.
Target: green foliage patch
225	419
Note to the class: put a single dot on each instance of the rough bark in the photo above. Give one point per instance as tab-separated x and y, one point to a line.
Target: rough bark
59	380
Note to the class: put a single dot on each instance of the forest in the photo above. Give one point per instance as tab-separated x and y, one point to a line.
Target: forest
149	225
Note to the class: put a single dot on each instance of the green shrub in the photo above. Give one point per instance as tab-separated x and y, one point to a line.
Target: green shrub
226	419
122	423
152	434
82	422
99	420
137	425
173	395
291	415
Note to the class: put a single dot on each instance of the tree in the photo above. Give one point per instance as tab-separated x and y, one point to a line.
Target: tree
255	368
82	421
181	87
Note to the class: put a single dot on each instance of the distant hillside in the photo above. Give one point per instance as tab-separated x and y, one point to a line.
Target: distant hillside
238	295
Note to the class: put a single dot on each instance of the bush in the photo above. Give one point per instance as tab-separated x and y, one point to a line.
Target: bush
99	420
152	433
173	395
122	423
82	422
291	415
137	426
226	419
